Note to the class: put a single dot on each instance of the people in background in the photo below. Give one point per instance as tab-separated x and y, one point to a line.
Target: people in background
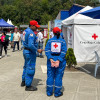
16	39
3	44
40	43
0	48
6	39
11	39
21	36
61	35
51	34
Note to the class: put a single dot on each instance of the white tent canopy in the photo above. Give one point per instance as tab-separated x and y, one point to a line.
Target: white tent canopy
80	19
82	33
9	22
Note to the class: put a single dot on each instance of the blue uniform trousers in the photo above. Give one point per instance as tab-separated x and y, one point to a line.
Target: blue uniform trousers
29	67
54	78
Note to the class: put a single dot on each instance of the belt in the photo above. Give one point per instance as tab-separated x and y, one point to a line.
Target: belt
27	48
55	54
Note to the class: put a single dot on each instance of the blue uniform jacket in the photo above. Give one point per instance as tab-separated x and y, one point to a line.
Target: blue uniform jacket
29	40
52	55
61	35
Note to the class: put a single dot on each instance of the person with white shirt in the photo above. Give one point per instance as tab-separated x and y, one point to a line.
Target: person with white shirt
51	34
16	39
40	43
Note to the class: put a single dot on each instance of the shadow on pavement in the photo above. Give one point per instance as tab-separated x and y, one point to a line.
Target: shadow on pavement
36	82
8	55
89	69
63	89
4	56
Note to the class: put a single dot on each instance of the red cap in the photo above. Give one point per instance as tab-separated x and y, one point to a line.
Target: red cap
35	23
60	30
56	30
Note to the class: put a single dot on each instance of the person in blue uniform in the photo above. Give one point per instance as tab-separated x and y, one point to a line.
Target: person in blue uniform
29	53
55	51
61	35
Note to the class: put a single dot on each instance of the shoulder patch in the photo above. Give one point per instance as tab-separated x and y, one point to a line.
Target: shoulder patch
31	34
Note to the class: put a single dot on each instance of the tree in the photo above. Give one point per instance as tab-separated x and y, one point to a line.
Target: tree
45	18
22	11
70	58
8	11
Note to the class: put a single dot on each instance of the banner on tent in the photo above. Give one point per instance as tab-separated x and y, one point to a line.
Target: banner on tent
57	23
86	41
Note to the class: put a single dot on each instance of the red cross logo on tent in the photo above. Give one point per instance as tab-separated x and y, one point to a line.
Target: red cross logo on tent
94	36
55	45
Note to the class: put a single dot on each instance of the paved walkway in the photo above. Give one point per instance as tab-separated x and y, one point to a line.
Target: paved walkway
76	85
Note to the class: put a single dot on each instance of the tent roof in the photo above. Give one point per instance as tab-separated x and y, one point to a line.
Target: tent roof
94	13
9	22
3	23
80	19
63	14
75	8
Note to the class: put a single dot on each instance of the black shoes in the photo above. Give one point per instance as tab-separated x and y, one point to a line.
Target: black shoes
30	88
23	83
59	95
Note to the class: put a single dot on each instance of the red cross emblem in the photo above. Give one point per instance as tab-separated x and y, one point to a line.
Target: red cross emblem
55	45
94	36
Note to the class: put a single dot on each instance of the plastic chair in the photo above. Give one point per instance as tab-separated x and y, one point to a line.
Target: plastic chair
97	64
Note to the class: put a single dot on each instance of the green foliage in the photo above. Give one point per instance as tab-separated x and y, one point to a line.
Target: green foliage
70	58
7	2
22	11
45	18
